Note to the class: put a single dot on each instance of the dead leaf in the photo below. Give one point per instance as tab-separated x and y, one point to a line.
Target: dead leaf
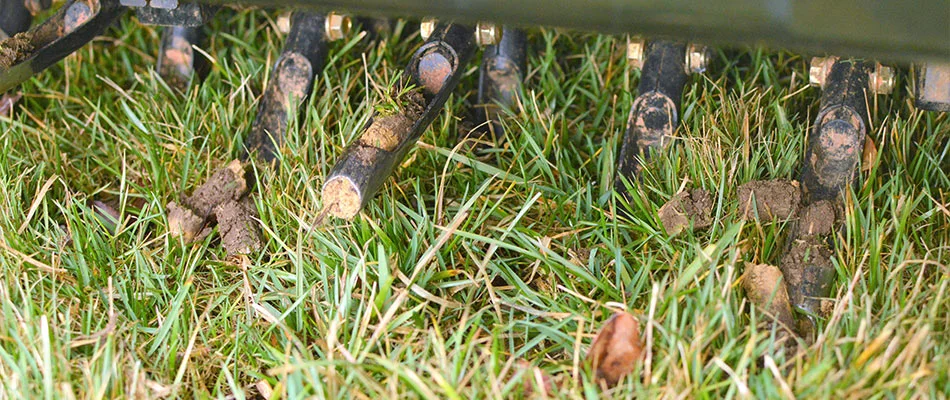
535	378
869	156
617	349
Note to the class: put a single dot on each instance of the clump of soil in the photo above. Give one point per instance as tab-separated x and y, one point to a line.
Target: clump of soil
805	273
617	349
765	287
15	49
226	184
219	200
340	198
776	199
689	207
185	223
818	219
237	223
386	132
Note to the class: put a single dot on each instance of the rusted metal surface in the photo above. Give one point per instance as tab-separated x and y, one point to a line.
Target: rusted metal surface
654	116
384	141
177	62
291	81
501	73
933	87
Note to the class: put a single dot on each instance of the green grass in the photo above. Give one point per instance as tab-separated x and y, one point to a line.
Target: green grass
463	264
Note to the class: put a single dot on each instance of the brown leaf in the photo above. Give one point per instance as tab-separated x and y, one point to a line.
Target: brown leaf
534	378
617	349
869	156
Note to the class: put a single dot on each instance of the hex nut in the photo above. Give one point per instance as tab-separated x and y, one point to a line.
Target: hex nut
337	26
881	80
487	34
283	22
818	70
636	48
696	59
426	27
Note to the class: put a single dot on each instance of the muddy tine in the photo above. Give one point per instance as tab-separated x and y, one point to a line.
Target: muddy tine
500	76
434	71
833	150
654	114
177	62
832	163
76	23
302	58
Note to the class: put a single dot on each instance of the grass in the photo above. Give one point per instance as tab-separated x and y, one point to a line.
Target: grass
463	264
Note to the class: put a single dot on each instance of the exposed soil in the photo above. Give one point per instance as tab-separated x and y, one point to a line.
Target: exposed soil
689	207
238	226
183	222
776	199
226	184
340	198
386	132
220	200
818	219
15	49
617	349
765	287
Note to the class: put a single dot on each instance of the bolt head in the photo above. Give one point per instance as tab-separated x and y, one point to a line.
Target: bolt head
696	59
881	80
487	34
426	27
337	26
636	48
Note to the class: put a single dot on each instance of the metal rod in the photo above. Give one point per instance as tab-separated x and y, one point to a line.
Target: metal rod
833	150
832	164
908	30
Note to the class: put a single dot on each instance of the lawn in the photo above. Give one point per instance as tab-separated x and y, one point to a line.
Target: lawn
465	263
